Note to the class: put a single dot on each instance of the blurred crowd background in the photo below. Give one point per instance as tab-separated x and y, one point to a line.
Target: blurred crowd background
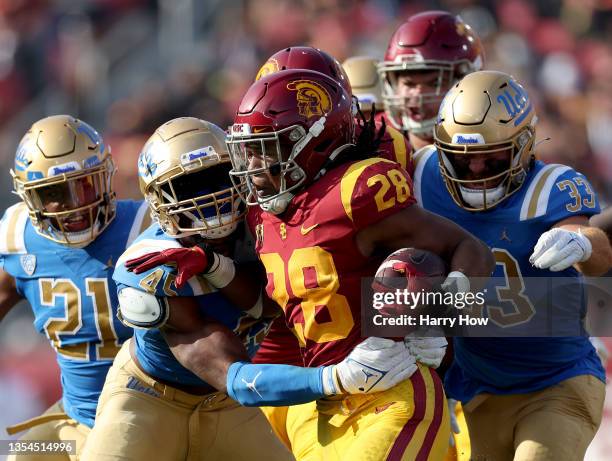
127	66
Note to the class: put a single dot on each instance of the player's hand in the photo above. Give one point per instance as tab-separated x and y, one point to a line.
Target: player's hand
456	282
375	365
454	424
428	350
559	249
189	262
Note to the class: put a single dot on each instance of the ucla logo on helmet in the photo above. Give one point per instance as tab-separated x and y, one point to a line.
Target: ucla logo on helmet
21	159
312	98
270	66
516	102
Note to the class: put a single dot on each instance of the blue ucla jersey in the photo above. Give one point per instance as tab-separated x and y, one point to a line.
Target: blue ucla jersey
73	297
152	351
507	365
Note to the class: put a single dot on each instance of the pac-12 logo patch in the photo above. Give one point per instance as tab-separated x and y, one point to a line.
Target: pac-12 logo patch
312	98
28	263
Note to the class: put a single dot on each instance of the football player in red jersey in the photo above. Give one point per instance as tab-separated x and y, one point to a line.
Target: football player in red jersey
323	222
426	55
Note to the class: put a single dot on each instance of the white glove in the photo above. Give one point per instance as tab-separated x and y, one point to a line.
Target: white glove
428	350
454	424
559	249
456	282
375	365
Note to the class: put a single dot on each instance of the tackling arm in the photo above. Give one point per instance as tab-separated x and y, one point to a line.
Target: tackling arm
418	228
573	241
603	221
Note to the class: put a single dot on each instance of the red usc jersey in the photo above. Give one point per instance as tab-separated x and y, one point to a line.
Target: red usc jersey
313	264
279	346
394	145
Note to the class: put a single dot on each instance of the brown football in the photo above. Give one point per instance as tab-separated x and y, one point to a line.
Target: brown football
409	269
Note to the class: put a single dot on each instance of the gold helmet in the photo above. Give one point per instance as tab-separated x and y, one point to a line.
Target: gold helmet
363	76
183	171
485	136
63	173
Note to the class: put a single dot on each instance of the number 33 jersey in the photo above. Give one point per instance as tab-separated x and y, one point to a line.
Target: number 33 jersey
511	365
311	257
73	297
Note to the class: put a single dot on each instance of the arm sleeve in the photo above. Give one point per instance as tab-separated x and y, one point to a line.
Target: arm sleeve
273	385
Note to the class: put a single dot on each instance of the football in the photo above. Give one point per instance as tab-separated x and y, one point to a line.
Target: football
409	269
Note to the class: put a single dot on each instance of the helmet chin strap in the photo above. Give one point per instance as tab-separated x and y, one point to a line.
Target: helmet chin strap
278	204
424	127
479	198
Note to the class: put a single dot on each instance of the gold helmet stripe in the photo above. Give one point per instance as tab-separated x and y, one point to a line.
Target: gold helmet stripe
536	198
12	229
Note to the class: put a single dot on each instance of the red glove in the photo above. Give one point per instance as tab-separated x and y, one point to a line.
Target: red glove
188	261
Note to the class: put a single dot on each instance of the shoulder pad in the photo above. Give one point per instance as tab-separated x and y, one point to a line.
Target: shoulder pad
12	229
374	188
139	309
557	192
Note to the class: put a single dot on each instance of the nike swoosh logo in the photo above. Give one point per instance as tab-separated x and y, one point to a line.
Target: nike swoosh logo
382	408
305	230
258	130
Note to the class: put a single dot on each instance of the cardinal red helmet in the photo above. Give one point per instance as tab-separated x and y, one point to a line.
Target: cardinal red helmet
305	57
289	126
433	40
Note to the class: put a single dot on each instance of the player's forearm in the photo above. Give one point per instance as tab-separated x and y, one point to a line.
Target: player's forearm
601	254
207	352
277	385
604	222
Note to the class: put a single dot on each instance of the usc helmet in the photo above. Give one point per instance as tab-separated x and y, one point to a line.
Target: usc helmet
433	40
365	81
183	172
487	114
297	121
305	57
63	173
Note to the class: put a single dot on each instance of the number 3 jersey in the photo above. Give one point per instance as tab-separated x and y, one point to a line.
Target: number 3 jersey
311	256
510	365
73	297
152	351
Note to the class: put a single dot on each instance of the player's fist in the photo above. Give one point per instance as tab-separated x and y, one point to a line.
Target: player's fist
559	249
375	365
189	262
